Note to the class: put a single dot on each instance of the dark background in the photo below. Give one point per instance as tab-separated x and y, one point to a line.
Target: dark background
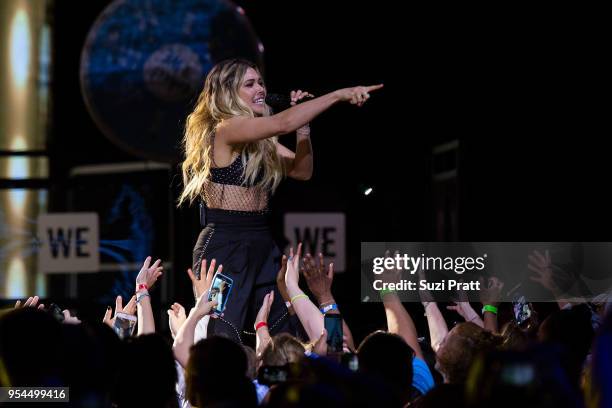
521	89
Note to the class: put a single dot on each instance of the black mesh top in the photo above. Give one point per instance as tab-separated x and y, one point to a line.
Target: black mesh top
226	190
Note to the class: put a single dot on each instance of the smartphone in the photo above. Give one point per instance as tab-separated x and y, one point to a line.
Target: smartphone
522	309
124	325
350	361
518	374
220	291
55	311
270	375
333	326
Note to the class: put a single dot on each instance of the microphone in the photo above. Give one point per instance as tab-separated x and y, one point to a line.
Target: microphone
280	102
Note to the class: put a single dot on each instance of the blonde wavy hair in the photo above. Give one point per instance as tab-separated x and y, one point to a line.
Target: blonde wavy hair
218	101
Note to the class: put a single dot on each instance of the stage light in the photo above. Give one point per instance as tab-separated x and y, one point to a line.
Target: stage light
20	49
18	169
15	279
26	58
368	191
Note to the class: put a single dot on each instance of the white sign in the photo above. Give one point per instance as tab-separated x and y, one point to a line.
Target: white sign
319	232
69	242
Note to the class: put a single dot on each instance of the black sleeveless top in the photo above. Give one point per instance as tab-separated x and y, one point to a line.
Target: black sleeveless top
226	190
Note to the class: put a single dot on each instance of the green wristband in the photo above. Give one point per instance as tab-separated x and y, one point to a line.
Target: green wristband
489	308
384	292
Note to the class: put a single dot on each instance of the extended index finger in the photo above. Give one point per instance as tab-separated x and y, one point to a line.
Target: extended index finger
118	304
374	87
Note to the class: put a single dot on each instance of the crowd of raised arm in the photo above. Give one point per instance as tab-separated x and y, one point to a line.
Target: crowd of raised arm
558	360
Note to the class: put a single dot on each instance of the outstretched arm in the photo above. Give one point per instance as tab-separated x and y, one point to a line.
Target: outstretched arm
435	321
242	129
319	280
400	322
144	281
184	337
309	315
542	265
262	335
437	325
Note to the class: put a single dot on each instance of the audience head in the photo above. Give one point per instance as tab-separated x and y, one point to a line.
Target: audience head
283	349
386	357
147	373
216	374
460	347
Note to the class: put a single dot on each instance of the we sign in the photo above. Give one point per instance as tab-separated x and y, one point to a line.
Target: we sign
319	233
69	242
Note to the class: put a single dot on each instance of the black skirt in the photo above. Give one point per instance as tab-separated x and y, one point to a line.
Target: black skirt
243	244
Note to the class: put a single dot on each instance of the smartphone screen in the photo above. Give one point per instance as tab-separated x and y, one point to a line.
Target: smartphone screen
350	361
220	291
333	325
56	312
270	375
522	310
124	325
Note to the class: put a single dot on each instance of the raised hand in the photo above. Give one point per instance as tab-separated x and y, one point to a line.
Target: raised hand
391	275
149	274
320	346
264	310
299	95
280	280
357	95
203	306
424	294
542	265
292	276
30	302
491	291
130	309
465	310
202	285
318	278
176	318
70	319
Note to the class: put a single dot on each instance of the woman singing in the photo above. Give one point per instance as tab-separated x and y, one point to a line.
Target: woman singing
233	163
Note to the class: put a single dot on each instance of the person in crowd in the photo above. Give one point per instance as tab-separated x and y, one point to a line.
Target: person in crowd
565	365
